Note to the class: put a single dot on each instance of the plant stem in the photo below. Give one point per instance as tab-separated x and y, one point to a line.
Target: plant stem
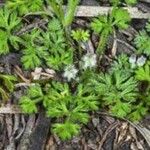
102	43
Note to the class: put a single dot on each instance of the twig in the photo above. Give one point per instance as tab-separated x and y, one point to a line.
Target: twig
25	140
23	128
114	49
24	84
91	11
109	129
144	131
19	72
126	44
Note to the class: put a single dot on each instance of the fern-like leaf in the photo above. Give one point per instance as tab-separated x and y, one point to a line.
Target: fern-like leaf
25	6
66	130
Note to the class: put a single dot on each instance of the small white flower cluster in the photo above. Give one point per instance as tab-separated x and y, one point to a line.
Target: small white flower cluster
70	72
88	61
140	61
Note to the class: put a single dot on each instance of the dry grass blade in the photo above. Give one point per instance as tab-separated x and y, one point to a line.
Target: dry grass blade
110	128
144	131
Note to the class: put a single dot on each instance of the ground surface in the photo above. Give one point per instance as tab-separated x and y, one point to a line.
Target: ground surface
103	132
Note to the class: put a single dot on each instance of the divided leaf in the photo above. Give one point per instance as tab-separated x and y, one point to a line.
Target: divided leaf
142	43
27	105
143	73
8	24
66	130
25	6
7	85
107	24
121	18
115	90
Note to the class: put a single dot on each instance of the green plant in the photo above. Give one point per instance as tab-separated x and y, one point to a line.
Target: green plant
141	108
142	43
107	24
118	2
138	111
59	102
117	91
33	53
7	86
29	102
9	22
48	47
80	35
60	53
143	73
148	26
121	63
57	8
25	6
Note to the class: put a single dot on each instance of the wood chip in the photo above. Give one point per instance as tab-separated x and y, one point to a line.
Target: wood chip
92	11
10	109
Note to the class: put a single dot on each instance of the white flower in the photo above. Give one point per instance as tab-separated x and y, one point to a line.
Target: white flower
132	59
70	72
141	61
89	61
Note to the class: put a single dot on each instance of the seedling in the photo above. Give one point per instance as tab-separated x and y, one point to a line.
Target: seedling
117	91
59	102
128	2
47	47
9	22
105	25
7	86
66	17
25	6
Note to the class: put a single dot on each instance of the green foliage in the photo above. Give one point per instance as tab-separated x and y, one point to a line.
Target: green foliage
121	109
142	43
33	53
80	35
121	63
143	73
47	47
124	91
138	112
32	57
148	26
7	86
121	18
55	42
118	2
106	25
117	91
72	4
67	17
131	2
25	6
66	130
9	22
27	105
29	102
59	102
